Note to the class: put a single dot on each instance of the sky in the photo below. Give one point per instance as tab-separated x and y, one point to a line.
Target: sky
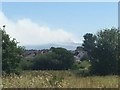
39	23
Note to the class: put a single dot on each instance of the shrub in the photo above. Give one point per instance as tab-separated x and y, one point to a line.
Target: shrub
81	65
11	54
56	81
81	68
65	57
76	66
26	63
58	59
46	61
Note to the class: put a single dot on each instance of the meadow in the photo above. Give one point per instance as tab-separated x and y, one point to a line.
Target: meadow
58	79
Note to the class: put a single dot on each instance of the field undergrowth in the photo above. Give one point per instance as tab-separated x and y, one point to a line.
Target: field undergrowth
57	79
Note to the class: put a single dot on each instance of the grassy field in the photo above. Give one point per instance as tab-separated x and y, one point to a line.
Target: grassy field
61	79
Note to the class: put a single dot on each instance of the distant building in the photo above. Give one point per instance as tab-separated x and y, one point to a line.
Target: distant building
80	54
33	53
77	58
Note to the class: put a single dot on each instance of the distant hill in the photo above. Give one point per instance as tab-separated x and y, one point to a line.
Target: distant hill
68	46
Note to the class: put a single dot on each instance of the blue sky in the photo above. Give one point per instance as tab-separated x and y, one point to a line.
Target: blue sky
76	18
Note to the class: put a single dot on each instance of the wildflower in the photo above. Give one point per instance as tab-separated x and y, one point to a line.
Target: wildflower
33	80
47	79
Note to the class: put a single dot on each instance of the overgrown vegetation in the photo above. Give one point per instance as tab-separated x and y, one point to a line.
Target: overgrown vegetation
102	58
57	59
103	51
11	54
58	79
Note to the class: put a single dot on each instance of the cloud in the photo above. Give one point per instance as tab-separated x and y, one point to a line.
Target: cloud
28	32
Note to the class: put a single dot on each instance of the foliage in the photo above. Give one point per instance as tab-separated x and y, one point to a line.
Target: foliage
105	52
81	65
26	64
76	66
46	61
57	59
85	64
89	44
58	79
11	54
118	52
81	68
65	57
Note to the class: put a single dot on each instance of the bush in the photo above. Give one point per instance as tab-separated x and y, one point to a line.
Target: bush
46	61
106	52
11	54
81	65
58	59
81	68
76	66
26	63
66	58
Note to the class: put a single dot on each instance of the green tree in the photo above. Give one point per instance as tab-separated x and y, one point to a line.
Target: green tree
57	59
105	53
47	61
118	52
65	57
89	44
11	54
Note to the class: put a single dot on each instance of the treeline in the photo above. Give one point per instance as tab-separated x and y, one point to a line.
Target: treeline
104	51
103	58
55	59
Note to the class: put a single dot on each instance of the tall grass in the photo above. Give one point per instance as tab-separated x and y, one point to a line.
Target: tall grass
60	79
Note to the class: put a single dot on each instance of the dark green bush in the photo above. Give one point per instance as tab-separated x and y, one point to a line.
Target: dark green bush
46	61
76	66
81	65
26	63
58	59
81	68
11	54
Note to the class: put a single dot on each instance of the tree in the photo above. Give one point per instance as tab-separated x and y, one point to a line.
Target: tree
47	61
118	52
11	53
105	53
57	59
65	57
89	44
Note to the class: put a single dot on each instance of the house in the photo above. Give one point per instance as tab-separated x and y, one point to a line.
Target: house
80	54
32	53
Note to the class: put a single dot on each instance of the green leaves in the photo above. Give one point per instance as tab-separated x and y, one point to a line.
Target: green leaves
11	53
102	50
57	59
